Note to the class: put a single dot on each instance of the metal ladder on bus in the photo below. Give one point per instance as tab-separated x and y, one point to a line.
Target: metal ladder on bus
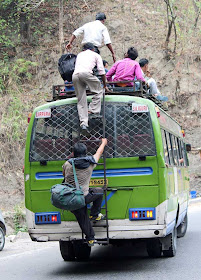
104	223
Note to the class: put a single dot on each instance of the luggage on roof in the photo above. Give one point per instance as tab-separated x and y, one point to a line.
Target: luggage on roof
66	66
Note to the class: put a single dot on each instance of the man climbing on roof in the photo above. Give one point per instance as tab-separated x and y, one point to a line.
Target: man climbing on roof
126	69
84	166
153	89
94	32
82	78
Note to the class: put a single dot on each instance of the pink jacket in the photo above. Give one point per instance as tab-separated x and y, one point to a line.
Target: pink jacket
125	69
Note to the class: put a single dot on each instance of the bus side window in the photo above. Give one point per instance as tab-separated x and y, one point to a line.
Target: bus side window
184	154
165	149
181	155
174	149
169	146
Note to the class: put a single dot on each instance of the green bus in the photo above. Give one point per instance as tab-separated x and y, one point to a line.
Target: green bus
146	171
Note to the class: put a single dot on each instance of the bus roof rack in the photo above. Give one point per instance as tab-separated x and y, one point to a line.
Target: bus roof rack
138	89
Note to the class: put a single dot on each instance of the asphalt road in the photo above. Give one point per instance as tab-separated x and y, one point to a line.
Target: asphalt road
23	260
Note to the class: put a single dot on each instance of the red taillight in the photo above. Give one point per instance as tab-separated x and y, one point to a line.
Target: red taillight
29	117
158	114
54	218
134	214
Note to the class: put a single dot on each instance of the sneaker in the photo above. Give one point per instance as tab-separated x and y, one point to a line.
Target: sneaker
84	130
90	243
100	217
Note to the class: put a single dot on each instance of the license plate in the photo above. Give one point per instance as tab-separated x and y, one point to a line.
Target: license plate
98	182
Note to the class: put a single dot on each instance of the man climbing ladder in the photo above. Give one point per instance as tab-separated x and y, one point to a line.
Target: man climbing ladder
84	166
83	77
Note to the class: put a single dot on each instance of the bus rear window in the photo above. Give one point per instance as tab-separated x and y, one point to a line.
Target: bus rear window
129	134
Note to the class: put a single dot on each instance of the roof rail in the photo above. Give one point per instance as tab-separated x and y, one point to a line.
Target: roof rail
138	89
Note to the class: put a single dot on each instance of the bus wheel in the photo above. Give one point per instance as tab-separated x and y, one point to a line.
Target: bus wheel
67	250
171	242
182	228
154	248
82	250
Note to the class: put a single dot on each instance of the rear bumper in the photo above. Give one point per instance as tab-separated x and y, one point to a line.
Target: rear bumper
118	229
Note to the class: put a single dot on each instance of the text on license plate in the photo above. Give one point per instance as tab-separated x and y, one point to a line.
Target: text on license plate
98	182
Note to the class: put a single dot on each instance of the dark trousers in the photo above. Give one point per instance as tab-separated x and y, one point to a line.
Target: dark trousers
95	69
96	50
95	195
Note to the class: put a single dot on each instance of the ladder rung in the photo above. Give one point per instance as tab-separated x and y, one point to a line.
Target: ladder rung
99	225
103	242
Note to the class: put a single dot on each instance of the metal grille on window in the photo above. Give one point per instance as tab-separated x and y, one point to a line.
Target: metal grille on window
129	134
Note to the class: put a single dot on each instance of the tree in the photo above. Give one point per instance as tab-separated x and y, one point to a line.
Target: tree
197	8
61	33
171	17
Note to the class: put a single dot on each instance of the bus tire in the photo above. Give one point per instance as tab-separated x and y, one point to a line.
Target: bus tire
172	240
81	250
182	228
2	239
154	248
67	250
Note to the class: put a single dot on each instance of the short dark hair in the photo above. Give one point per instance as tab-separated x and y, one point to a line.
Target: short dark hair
100	16
104	62
88	46
143	62
132	53
79	150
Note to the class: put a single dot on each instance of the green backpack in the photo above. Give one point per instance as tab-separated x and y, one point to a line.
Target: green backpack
66	196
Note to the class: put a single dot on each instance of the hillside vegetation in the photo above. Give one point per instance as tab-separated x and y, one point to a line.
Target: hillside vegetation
167	32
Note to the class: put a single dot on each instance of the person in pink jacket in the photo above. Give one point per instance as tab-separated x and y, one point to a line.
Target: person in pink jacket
126	69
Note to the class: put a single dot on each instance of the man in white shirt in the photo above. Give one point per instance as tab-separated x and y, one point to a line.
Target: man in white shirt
83	77
94	32
153	89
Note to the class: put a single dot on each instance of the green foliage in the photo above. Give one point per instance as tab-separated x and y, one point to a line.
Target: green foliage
14	73
22	68
19	218
14	120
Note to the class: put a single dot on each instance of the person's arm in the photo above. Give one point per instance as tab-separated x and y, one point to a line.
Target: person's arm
111	72
103	77
138	72
69	45
112	52
107	42
75	34
63	169
100	150
101	70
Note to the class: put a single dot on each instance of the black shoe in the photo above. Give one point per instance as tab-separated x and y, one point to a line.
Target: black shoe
94	116
84	130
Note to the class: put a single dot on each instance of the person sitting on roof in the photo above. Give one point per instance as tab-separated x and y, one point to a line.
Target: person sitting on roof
126	69
105	64
153	89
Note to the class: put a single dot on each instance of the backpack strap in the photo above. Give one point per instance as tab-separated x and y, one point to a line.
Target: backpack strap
75	176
